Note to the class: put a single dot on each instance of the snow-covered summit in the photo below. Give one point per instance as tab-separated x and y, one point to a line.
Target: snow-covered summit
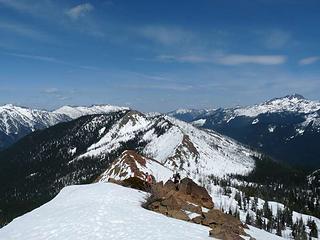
76	112
291	103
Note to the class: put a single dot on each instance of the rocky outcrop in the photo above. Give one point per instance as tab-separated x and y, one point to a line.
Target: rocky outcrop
190	202
131	164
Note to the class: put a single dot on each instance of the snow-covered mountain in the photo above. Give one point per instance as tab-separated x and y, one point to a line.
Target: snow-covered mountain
76	112
78	151
16	122
286	128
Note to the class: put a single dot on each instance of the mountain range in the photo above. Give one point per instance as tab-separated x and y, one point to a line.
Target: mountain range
37	167
287	128
16	122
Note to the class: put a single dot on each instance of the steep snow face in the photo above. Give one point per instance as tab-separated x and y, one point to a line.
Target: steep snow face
99	211
177	145
13	118
132	164
76	112
104	211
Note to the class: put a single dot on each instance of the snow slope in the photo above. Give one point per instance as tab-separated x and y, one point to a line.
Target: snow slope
104	211
99	211
76	112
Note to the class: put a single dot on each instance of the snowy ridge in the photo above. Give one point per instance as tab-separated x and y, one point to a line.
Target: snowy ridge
14	118
290	103
76	112
177	145
16	122
105	211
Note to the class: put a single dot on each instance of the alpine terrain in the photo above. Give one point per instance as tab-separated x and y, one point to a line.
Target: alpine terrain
16	122
287	128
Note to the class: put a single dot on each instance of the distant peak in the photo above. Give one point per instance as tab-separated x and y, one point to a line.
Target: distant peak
290	97
296	95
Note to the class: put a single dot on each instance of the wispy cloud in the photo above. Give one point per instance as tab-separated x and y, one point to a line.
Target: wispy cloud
79	11
184	58
23	30
231	59
36	57
51	90
52	60
238	59
309	60
276	38
166	35
18	5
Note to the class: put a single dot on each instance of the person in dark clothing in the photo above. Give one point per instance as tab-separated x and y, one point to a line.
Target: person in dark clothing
176	178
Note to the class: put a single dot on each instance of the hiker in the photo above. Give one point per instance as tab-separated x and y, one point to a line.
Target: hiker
148	182
176	178
149	178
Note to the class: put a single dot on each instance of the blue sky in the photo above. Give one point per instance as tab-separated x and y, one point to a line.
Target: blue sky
157	55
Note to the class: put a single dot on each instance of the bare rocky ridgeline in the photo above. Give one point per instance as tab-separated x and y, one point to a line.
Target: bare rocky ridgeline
189	202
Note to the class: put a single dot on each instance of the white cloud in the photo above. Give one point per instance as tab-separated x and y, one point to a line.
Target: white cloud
79	11
238	59
309	60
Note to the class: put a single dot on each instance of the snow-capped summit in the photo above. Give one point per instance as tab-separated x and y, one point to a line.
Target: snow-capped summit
79	111
290	103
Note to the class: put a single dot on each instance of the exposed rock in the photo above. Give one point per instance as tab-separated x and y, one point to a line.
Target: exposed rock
198	220
195	193
178	201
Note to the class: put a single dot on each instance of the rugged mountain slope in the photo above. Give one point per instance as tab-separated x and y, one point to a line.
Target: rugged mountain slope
16	122
286	128
132	164
34	169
